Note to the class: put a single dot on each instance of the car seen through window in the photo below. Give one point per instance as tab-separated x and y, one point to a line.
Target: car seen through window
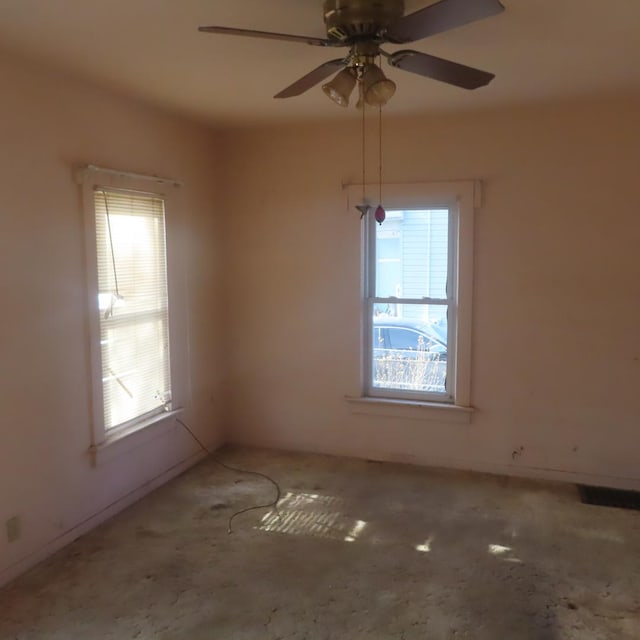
409	354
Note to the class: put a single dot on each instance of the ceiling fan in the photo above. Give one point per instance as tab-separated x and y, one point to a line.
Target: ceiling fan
363	26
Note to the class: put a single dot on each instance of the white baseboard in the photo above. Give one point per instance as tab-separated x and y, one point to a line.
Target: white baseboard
521	471
516	470
26	563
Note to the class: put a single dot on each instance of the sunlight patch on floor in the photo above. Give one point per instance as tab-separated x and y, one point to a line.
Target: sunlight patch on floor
503	553
314	515
498	549
425	547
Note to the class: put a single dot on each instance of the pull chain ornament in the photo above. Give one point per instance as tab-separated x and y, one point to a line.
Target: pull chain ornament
364	209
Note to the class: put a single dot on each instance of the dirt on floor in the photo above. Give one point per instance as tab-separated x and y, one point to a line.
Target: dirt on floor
354	550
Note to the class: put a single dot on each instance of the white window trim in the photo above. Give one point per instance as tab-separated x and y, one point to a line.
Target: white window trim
410	409
465	196
131	435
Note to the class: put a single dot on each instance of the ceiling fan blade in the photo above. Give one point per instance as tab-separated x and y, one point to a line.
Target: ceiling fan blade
319	42
311	79
441	16
439	69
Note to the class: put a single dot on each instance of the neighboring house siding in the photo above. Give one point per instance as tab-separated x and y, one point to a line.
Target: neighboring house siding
438	258
424	255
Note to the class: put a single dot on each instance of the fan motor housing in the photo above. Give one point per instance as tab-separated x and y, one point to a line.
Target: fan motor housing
350	20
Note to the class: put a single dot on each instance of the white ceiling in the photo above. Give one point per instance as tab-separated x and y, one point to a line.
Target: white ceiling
540	50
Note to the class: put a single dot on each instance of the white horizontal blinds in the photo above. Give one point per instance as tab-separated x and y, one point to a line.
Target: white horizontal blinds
133	302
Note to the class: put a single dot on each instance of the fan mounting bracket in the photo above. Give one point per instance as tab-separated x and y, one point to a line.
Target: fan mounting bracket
353	21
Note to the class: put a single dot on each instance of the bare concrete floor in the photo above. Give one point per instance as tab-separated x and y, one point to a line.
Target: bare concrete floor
360	550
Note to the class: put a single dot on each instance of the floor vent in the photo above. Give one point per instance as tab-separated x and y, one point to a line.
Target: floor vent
610	497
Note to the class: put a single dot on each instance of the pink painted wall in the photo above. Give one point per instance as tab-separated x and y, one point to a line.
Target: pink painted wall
47	123
556	340
556	347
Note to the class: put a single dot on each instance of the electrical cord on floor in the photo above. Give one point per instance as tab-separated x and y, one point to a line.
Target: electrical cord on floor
273	503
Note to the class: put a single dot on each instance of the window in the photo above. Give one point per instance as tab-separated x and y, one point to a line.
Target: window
136	311
417	294
133	302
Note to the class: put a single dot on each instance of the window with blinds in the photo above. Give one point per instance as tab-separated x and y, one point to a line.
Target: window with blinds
133	305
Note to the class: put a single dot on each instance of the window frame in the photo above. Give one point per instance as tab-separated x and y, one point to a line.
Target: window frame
461	198
92	179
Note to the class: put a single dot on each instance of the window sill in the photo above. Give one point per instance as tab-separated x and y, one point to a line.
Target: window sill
410	409
124	440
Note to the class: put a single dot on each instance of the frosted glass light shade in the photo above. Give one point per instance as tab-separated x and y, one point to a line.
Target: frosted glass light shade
339	89
378	89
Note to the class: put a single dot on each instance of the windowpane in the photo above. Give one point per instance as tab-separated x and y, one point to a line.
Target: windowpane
133	305
409	347
137	371
412	254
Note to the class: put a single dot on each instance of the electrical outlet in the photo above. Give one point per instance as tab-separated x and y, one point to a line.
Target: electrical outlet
13	528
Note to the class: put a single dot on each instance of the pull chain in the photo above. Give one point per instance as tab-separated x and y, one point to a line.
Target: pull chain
380	213
380	154
363	207
364	143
